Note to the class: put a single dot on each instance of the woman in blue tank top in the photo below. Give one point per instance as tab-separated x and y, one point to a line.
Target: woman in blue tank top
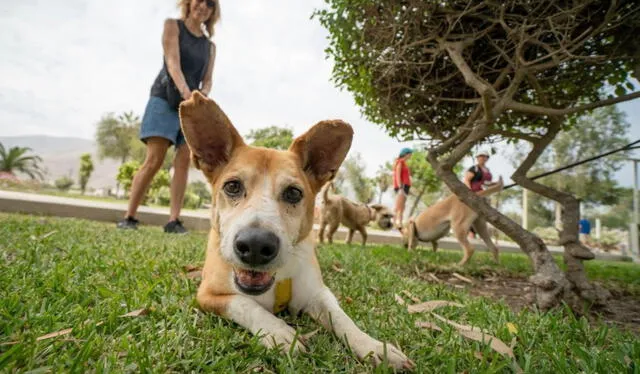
189	56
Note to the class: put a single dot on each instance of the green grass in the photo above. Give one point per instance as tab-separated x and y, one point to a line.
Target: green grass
84	272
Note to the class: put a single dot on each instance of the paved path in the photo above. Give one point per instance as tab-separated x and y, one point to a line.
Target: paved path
31	203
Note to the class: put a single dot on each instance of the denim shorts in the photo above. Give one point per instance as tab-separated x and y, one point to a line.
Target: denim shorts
161	120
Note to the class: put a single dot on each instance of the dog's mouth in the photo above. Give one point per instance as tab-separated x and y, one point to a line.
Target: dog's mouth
385	224
253	282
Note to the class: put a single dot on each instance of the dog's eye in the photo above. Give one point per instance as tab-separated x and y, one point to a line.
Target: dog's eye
292	195
233	188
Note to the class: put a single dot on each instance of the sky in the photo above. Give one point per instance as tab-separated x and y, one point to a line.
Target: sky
66	63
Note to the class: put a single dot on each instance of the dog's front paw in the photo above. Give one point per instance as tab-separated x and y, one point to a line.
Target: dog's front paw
369	349
284	339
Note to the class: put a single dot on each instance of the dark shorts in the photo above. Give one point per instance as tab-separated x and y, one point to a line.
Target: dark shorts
406	189
161	120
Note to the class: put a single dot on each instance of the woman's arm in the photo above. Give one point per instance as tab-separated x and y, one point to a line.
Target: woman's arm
206	82
397	173
468	176
171	49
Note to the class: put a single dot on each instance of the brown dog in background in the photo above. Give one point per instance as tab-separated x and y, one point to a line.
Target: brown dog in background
451	214
337	209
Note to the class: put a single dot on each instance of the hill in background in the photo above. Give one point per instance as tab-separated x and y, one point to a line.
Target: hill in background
61	156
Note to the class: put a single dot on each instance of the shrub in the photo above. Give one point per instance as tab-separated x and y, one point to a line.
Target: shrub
161	179
163	196
610	239
548	234
64	183
192	201
128	170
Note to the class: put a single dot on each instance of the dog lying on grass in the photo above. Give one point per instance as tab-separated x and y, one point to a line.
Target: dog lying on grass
451	214
261	251
337	209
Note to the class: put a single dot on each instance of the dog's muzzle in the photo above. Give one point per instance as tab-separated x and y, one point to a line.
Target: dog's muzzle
385	223
255	247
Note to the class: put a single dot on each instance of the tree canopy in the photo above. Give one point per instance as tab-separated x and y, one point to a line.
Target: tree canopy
602	130
115	136
84	173
354	171
271	137
440	69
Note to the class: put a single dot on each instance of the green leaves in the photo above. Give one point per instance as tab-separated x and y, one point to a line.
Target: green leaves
160	181
63	183
19	159
115	135
271	137
391	56
86	168
354	172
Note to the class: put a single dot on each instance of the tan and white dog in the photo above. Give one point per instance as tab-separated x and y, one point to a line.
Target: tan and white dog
261	252
452	214
338	209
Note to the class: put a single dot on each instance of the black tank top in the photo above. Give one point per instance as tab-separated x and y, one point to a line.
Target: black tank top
194	58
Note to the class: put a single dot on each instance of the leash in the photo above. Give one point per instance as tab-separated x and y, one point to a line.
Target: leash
628	147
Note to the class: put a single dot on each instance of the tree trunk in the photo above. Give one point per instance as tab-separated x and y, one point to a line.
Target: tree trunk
496	234
417	200
574	251
380	196
557	223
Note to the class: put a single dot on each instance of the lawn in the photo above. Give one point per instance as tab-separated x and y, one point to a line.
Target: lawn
57	274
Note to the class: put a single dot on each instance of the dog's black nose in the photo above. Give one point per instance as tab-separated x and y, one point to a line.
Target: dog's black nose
256	246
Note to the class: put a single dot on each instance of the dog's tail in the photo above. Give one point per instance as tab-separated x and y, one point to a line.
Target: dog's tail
325	193
496	187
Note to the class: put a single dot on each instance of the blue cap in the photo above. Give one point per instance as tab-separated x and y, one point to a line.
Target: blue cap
405	151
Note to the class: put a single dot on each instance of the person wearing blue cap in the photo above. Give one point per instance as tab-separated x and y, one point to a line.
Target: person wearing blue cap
401	184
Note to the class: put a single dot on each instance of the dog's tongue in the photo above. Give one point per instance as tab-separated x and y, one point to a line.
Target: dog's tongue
250	278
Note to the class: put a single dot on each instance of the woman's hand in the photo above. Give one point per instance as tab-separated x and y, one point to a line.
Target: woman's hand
186	94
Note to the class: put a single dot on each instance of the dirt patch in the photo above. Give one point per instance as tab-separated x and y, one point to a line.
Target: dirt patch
622	310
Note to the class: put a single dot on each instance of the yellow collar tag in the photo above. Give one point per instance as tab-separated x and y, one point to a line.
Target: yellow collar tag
283	295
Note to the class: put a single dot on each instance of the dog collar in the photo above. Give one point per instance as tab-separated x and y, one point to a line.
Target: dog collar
283	295
372	213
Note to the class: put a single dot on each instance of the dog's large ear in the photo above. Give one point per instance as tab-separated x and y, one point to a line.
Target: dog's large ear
208	132
322	150
377	207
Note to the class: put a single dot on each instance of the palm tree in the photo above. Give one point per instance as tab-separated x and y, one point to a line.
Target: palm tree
18	159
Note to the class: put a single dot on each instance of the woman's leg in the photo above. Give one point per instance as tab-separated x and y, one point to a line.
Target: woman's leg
179	180
401	199
156	150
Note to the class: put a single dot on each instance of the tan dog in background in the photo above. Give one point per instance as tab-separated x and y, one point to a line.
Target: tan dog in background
261	251
337	209
451	214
